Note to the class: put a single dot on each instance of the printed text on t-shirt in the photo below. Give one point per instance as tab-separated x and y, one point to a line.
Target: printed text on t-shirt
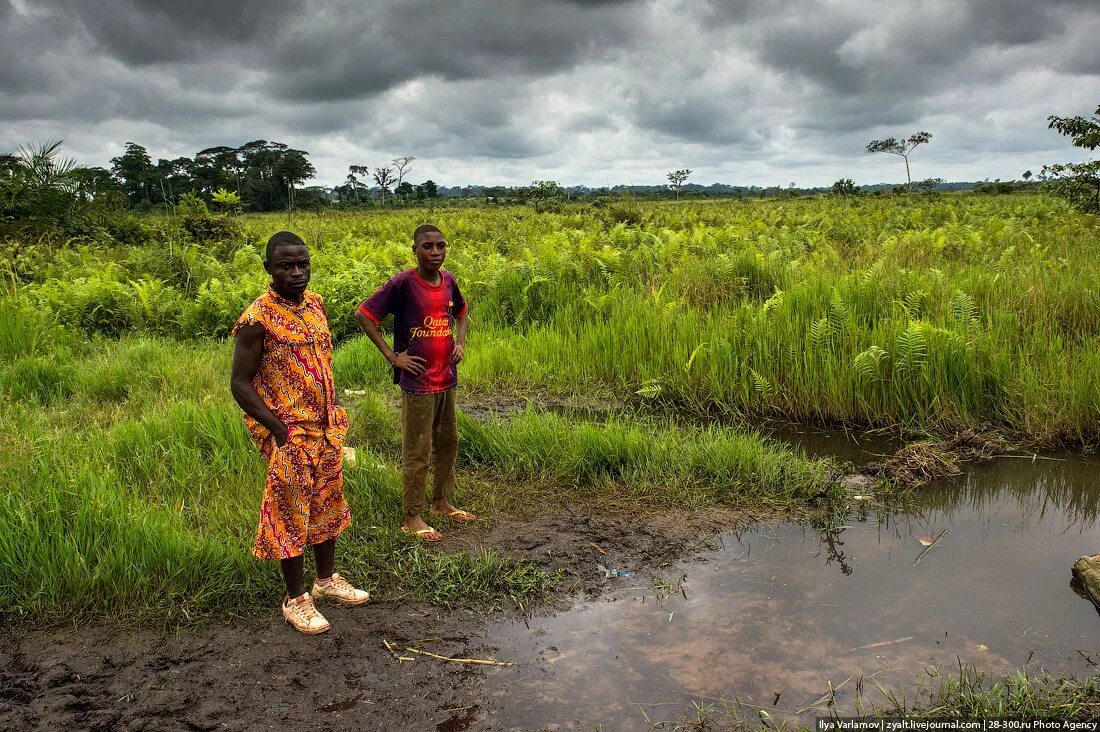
432	328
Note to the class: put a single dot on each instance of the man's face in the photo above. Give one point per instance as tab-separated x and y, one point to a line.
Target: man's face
289	270
430	249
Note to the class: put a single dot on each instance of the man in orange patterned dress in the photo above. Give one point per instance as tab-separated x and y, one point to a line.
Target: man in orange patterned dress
282	379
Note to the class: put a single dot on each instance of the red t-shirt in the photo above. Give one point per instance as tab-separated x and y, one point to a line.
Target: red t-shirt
423	323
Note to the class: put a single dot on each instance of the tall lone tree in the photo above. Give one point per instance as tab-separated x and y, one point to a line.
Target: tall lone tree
1077	182
351	183
357	172
383	176
902	148
402	165
676	180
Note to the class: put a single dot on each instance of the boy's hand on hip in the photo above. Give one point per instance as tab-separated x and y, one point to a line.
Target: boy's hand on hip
458	352
415	365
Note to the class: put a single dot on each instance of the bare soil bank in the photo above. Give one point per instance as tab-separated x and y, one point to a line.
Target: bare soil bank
260	674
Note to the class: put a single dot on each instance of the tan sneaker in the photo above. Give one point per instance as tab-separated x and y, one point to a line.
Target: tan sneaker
341	590
303	616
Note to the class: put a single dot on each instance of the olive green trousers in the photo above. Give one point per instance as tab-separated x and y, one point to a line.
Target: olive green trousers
429	436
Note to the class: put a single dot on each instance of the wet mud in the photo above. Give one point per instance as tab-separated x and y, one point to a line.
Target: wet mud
260	674
657	617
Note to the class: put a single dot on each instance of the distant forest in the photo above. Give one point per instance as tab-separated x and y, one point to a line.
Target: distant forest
271	176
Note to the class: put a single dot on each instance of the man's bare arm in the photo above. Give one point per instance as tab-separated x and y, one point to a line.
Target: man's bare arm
248	351
415	365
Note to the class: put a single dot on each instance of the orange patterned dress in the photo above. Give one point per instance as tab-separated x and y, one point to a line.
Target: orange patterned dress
303	501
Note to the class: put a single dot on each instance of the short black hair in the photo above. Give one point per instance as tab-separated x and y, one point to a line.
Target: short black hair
282	239
424	229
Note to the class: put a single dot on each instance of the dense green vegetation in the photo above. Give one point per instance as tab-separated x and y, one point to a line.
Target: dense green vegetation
130	484
951	312
131	488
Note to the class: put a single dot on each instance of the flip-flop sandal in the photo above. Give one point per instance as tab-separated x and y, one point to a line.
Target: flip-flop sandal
463	517
422	534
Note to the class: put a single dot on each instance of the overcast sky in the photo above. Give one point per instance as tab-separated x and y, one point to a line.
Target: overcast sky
581	91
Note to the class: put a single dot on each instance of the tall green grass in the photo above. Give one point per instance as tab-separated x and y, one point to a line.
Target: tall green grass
129	485
931	314
967	694
647	465
970	694
136	493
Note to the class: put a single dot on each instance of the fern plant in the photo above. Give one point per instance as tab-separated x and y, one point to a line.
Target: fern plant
867	366
911	349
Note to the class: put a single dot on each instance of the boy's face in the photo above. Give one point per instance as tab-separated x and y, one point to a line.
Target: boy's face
289	270
430	249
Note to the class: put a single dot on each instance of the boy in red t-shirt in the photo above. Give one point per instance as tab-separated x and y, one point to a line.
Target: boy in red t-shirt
429	339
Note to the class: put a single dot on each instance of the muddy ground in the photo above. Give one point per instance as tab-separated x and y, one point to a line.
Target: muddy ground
260	674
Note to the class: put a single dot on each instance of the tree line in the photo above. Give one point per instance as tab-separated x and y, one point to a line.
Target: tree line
40	188
265	176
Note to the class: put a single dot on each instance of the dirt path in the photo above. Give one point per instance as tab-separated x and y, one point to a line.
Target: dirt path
259	674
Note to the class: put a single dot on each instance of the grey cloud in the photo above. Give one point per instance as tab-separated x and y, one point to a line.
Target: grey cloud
87	96
346	54
702	118
810	50
140	32
479	119
575	89
832	114
877	50
725	12
32	50
52	66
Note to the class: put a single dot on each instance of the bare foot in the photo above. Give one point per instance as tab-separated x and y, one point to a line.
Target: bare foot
415	526
443	507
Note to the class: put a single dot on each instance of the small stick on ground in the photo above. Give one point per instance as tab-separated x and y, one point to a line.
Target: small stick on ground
393	651
929	547
482	661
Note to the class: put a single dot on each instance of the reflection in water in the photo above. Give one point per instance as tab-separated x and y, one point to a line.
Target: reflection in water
831	543
770	620
1046	489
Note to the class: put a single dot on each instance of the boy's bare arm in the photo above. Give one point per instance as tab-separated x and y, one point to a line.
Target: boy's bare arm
248	351
461	324
413	364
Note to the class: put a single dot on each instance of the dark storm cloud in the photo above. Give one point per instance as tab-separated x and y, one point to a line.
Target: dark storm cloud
479	118
139	32
865	65
694	117
32	50
95	62
581	86
894	49
347	53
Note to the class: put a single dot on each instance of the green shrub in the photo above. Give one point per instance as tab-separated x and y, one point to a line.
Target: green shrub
222	234
128	231
217	306
96	304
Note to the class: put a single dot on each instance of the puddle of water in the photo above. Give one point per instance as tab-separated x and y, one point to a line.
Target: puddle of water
785	610
842	446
